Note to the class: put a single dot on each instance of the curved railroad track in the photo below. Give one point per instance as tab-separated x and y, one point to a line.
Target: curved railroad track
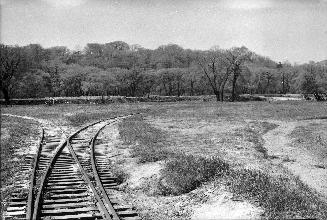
71	180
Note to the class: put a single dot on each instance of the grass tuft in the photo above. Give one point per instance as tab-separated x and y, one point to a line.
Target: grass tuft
185	173
120	174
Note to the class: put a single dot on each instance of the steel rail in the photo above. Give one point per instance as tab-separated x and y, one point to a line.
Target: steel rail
47	172
88	181
37	203
33	178
99	184
96	175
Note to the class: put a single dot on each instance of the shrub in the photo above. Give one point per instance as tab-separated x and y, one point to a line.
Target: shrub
280	197
184	173
120	174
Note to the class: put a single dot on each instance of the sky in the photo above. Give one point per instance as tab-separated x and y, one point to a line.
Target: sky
292	30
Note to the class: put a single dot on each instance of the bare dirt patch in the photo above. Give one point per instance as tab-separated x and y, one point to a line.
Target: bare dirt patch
222	206
300	146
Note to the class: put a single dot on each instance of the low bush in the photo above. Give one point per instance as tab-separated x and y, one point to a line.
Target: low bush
184	173
120	174
279	197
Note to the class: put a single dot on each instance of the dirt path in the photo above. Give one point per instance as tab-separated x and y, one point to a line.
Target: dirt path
45	123
299	160
49	127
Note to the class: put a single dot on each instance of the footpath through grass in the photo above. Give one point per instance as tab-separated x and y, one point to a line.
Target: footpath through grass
280	197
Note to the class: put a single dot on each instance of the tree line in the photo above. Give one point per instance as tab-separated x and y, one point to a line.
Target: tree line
117	68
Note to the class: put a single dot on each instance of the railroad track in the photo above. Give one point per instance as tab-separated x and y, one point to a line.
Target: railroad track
70	179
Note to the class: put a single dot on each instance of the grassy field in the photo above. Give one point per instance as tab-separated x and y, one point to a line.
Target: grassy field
193	148
281	196
203	110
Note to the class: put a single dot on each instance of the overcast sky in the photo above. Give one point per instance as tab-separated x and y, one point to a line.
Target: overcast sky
294	30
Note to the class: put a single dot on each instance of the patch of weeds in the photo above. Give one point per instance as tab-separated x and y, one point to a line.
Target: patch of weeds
311	137
117	171
184	173
287	159
149	142
83	118
280	197
253	133
150	153
267	126
313	118
255	138
120	174
135	129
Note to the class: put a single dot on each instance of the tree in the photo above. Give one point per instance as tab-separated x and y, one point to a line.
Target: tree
312	81
169	56
55	70
10	59
217	70
72	79
149	81
236	58
33	85
34	55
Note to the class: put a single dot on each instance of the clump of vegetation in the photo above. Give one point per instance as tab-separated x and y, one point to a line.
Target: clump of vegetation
255	138
184	173
87	117
149	141
267	126
280	197
151	153
135	129
119	173
253	133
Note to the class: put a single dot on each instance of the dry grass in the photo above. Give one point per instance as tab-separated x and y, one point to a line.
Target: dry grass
149	144
19	130
203	110
253	133
312	137
281	197
184	173
75	114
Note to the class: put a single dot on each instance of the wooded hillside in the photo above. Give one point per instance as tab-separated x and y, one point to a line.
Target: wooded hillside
117	68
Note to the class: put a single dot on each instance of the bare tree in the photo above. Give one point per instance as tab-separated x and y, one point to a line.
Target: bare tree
236	58
216	69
